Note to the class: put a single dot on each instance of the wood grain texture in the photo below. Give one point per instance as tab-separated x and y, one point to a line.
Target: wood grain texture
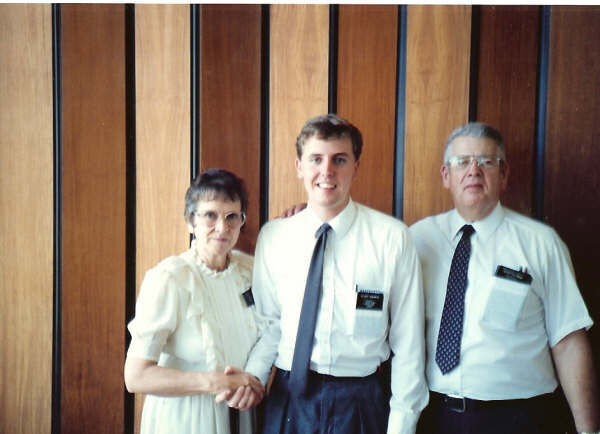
367	46
93	274
298	91
162	48
572	179
507	87
26	218
437	90
231	84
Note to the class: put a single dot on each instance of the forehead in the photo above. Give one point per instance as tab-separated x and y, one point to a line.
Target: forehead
217	202
473	146
333	145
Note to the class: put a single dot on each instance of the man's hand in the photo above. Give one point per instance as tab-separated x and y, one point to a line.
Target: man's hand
244	396
293	210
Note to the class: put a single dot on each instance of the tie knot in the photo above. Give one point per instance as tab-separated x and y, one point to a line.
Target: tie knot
467	230
322	230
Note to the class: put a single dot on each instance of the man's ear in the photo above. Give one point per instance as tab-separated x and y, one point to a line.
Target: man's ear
445	173
504	171
298	165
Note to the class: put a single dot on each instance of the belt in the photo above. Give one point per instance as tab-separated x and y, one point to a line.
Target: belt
460	405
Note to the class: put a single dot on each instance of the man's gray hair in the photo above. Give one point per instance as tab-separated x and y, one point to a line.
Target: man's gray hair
478	130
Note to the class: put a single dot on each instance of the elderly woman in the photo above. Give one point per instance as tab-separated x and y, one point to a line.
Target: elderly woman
195	321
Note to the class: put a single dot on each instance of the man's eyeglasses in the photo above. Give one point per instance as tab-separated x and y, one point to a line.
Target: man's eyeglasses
209	219
483	161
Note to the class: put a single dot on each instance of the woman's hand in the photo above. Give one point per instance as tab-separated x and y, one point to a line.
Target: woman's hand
244	396
144	376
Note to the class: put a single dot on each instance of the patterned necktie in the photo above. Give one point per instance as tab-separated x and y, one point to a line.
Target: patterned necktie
308	316
447	354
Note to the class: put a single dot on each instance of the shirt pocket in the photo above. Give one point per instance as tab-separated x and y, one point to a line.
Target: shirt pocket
370	313
505	304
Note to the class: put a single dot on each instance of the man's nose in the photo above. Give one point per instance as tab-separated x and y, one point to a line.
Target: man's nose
328	167
474	168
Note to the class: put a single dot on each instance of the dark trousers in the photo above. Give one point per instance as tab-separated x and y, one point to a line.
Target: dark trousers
331	405
517	416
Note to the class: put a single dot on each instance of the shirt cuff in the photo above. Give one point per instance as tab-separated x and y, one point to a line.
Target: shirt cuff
255	369
402	422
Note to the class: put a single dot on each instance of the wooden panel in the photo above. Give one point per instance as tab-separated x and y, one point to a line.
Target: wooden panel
367	59
26	218
506	95
572	179
437	89
93	302
298	91
162	50
231	38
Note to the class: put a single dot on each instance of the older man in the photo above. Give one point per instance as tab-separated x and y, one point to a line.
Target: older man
505	321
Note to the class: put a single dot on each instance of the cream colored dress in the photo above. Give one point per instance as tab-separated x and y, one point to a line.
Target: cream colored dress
192	318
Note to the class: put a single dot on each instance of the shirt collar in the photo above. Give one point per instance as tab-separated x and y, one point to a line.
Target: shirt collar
340	224
483	228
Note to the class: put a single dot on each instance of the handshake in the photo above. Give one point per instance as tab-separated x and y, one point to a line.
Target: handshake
240	389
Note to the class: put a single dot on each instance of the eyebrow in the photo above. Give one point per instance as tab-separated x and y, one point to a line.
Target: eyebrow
339	154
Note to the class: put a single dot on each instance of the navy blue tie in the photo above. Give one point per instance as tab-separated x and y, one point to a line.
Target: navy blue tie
447	354
308	316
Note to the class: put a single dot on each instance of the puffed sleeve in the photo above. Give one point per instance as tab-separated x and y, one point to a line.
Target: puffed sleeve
156	315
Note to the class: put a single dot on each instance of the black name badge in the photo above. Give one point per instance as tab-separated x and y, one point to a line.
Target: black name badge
369	300
514	275
248	297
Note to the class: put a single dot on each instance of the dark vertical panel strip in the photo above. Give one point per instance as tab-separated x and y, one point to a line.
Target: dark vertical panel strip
130	197
542	101
195	75
474	61
57	173
333	59
400	113
264	114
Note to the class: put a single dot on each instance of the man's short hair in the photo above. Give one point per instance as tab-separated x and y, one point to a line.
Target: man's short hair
329	126
478	130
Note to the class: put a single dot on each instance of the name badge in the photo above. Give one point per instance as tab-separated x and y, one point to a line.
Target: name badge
248	297
369	299
520	275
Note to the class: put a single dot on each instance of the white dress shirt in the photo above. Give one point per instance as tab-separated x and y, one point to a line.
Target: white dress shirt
366	251
509	326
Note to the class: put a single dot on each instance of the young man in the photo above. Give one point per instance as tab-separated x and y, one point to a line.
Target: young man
502	306
339	285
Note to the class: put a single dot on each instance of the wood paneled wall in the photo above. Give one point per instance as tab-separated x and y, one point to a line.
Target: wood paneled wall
162	81
507	89
93	218
243	113
437	96
299	42
572	179
367	95
26	222
230	100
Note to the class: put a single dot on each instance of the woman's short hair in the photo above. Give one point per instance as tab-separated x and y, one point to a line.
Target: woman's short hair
329	126
214	184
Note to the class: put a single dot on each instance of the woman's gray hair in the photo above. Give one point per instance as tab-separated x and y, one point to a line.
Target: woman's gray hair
478	130
212	184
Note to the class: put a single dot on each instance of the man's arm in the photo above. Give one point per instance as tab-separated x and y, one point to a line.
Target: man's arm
407	341
264	352
574	364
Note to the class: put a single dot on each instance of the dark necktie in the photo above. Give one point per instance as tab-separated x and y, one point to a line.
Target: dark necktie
447	354
308	315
